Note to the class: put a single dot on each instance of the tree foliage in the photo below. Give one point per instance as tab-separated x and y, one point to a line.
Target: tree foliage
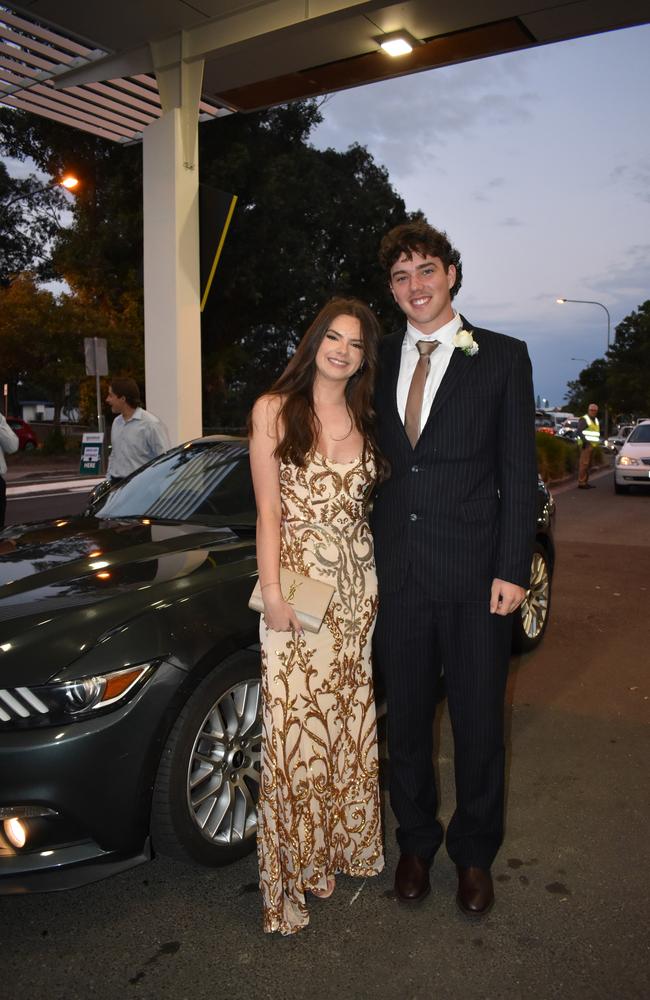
29	221
99	254
36	339
621	380
307	226
42	335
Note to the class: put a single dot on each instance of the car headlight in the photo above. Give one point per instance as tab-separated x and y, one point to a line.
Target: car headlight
66	701
627	460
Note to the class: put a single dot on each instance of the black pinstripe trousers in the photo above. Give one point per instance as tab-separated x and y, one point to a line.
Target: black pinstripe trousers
415	638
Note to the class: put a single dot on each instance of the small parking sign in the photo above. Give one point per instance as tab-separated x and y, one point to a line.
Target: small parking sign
91	454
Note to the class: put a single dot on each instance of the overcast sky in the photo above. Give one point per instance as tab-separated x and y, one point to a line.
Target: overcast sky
537	164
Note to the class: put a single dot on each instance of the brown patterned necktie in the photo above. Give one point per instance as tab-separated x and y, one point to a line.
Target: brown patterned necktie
413	412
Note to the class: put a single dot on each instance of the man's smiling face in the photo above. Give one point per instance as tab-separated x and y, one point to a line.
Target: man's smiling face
421	287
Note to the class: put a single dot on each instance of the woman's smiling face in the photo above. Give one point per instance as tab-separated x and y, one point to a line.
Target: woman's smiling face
340	354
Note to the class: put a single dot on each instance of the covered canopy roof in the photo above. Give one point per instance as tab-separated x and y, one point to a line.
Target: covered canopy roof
94	65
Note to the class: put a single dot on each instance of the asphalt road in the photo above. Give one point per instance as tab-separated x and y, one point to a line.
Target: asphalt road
46	504
572	879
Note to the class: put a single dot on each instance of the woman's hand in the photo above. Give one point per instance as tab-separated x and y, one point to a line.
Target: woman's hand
278	615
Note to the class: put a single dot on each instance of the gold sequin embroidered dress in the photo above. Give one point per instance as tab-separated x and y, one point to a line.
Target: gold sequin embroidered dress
319	810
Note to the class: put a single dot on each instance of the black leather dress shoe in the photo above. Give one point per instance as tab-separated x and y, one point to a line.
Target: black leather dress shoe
475	895
412	878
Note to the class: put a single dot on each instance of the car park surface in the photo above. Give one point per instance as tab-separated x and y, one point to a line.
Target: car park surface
129	672
571	911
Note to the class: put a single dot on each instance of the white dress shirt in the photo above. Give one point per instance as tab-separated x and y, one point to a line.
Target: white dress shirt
439	361
135	442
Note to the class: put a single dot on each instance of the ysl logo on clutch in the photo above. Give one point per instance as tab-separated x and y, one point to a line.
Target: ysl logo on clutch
292	590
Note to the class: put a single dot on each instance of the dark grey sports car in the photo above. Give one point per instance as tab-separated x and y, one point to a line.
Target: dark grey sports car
129	676
129	673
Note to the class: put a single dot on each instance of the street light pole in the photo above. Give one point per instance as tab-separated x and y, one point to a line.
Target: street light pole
592	302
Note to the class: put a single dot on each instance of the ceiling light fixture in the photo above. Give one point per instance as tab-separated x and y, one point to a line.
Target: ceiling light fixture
397	43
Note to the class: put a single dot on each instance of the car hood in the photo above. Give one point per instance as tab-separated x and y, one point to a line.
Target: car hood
65	584
636	449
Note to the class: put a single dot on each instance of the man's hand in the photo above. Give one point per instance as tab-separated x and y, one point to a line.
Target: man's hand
505	597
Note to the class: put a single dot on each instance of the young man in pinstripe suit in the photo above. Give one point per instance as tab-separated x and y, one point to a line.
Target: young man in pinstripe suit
454	527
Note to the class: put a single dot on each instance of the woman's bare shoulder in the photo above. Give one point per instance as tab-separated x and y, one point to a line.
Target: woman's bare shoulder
265	413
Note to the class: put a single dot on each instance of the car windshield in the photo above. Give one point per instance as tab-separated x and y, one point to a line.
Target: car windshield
202	482
640	435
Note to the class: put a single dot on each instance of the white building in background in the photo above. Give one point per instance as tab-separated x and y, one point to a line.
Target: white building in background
36	411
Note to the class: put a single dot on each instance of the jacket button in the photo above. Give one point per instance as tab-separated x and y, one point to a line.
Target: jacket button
415	468
413	517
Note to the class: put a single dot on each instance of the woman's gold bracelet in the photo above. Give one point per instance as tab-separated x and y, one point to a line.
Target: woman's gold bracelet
276	583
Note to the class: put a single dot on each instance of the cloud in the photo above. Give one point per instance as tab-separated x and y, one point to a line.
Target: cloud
511	220
484	193
426	118
628	279
636	177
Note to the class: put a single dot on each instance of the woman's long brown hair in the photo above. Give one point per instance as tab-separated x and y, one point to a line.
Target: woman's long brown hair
296	418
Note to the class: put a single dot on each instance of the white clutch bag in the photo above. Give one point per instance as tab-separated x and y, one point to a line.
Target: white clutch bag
309	598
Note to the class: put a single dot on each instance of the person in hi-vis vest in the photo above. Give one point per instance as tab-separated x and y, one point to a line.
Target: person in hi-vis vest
589	433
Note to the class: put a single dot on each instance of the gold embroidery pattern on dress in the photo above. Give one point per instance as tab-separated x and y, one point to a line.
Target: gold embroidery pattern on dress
319	809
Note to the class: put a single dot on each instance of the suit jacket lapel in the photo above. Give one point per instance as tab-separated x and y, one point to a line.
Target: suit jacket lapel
392	363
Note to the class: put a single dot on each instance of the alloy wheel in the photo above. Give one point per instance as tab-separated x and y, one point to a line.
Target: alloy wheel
224	768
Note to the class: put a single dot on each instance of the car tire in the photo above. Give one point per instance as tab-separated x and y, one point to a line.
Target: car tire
531	619
620	488
204	807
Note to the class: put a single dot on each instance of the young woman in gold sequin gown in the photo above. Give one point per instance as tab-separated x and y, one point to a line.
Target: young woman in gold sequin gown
314	467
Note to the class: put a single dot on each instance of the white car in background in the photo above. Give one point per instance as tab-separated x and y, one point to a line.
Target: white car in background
632	466
616	441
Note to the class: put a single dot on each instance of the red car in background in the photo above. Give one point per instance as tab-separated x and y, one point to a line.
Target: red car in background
27	440
544	423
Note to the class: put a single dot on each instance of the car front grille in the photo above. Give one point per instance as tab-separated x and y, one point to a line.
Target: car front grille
646	461
20	704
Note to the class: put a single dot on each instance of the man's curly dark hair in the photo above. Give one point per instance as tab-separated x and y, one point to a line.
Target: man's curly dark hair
420	237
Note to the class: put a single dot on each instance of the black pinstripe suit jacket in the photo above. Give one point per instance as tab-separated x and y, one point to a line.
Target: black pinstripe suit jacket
460	508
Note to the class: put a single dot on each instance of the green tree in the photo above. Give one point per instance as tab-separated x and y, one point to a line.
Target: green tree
42	335
307	226
621	381
99	253
589	387
36	339
628	379
30	218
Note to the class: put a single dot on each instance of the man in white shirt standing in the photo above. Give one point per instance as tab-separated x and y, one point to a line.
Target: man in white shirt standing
137	436
8	445
454	527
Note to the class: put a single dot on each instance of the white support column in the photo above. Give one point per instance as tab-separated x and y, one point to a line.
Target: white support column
172	317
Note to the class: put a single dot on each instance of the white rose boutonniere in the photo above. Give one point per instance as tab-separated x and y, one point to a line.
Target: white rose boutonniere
464	340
